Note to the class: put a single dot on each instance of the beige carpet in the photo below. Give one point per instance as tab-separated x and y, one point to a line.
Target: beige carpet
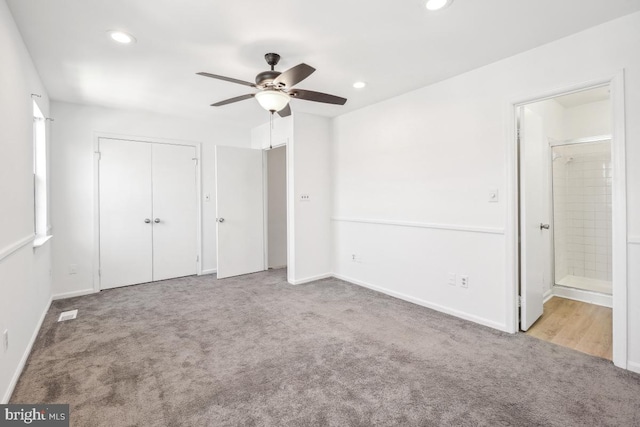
255	351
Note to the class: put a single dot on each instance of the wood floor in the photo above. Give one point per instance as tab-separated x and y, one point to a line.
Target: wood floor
577	325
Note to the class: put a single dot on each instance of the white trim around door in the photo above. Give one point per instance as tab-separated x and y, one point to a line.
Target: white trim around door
619	214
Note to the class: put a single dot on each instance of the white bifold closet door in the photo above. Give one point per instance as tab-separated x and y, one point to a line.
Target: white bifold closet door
148	212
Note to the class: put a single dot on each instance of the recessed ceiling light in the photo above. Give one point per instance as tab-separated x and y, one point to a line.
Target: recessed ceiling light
121	37
438	4
359	85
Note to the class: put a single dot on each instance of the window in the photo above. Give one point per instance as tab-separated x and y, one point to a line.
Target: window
40	214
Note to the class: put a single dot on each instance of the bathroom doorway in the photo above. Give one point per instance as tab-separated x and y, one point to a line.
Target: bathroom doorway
566	177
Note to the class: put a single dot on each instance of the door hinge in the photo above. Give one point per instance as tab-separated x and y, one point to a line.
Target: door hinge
195	159
99	154
519	300
197	258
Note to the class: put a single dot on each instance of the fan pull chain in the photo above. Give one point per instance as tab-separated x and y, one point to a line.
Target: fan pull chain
271	131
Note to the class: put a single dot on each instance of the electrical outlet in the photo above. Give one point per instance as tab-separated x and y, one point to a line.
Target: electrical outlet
452	279
73	268
356	258
5	340
464	281
305	198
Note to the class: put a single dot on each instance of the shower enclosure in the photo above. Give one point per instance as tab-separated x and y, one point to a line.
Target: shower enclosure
581	176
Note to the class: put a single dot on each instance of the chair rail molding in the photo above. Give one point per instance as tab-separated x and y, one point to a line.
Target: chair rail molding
433	226
16	246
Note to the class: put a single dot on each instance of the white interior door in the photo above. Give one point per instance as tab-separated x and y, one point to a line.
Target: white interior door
533	238
239	211
175	211
125	213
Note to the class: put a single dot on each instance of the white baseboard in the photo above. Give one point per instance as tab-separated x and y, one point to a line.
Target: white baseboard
583	296
427	304
25	356
311	279
74	294
210	271
547	296
633	367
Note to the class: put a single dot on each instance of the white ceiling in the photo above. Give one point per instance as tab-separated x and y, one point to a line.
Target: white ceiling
394	45
583	97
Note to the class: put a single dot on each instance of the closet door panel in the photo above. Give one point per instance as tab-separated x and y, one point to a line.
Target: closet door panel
125	205
175	211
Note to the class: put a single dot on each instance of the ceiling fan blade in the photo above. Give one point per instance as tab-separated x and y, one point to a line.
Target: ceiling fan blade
226	79
232	100
309	95
285	112
294	75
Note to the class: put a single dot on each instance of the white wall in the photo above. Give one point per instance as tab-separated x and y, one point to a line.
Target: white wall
25	284
277	206
583	121
280	134
308	140
309	166
72	178
427	159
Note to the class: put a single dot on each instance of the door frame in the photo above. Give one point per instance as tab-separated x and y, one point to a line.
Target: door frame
619	207
96	194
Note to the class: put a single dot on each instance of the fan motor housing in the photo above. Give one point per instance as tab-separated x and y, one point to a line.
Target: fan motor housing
266	77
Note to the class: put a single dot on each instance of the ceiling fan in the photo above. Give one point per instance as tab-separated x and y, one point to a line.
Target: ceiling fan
276	88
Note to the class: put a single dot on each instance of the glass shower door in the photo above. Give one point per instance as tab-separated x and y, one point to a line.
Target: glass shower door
581	176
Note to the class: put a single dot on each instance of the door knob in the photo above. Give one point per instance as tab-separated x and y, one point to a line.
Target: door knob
157	220
544	226
220	219
147	220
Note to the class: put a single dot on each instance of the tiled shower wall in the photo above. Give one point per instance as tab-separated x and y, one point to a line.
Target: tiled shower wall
582	210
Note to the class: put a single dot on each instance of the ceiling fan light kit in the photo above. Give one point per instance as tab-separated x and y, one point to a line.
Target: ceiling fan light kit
272	100
276	88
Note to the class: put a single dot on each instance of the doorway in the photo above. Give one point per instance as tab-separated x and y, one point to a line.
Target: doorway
571	220
251	210
276	209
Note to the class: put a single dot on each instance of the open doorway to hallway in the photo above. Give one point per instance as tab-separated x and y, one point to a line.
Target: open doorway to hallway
276	209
